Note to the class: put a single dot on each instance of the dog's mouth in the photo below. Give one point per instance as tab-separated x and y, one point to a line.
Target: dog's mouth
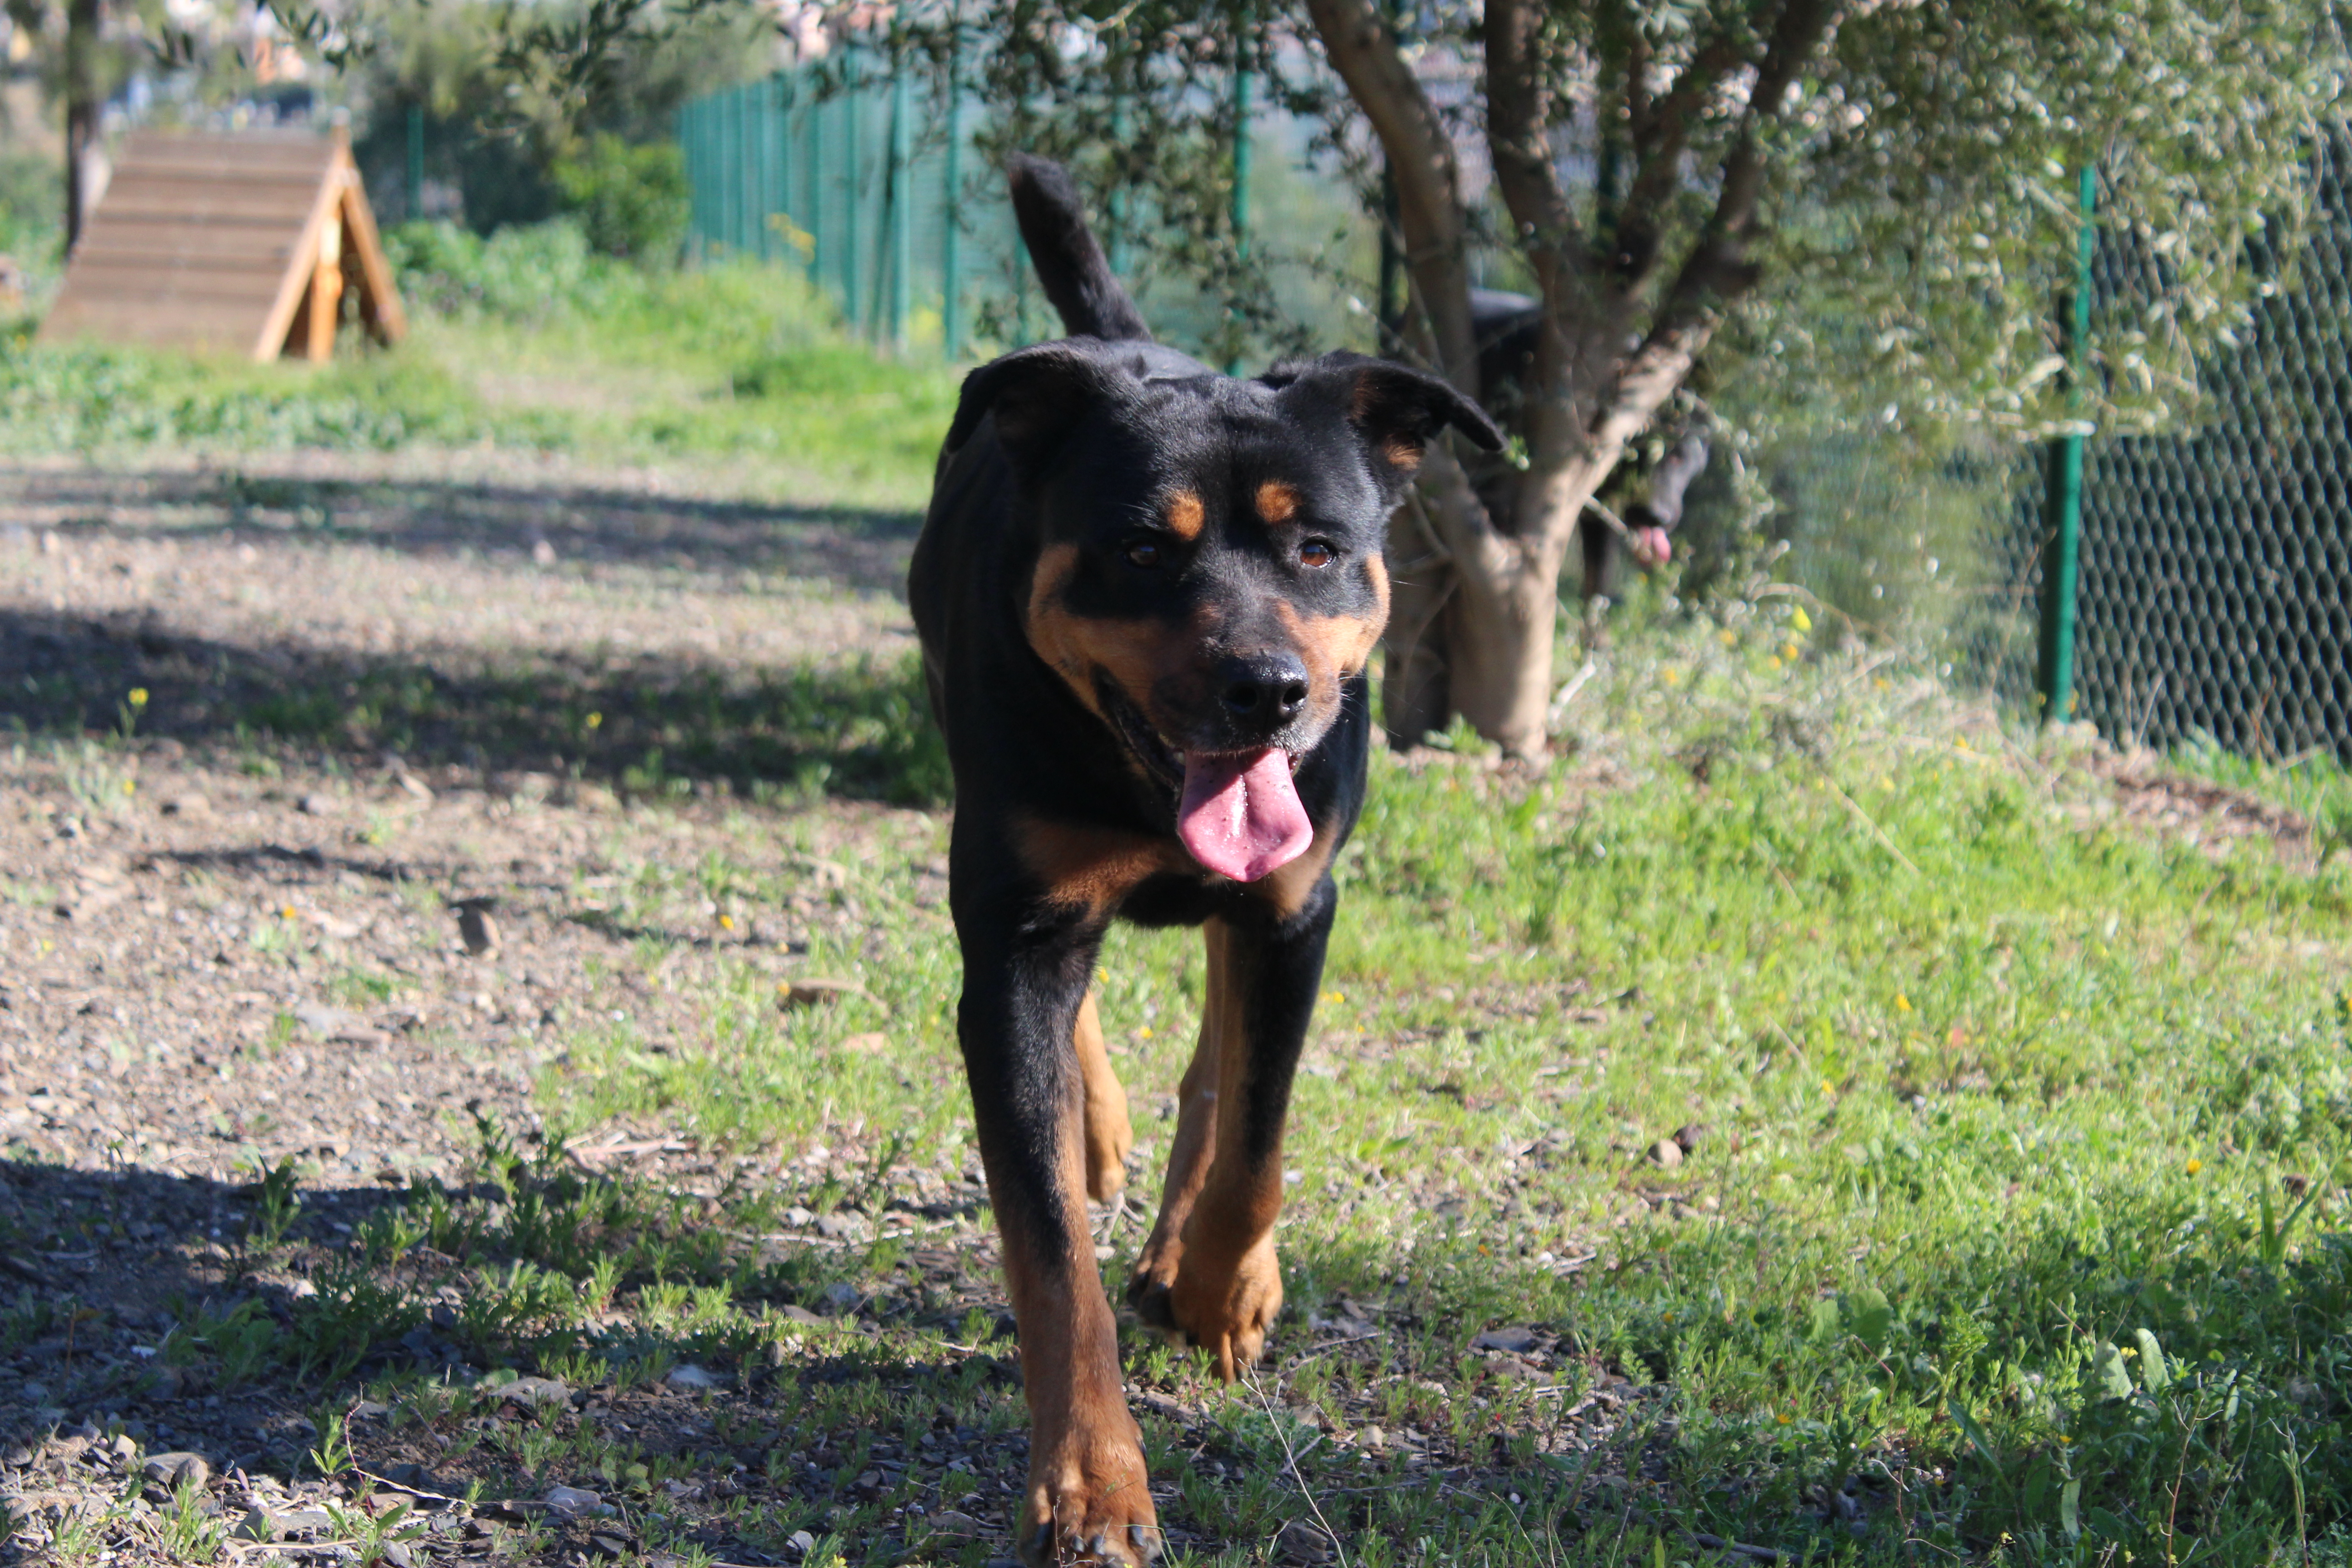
1237	813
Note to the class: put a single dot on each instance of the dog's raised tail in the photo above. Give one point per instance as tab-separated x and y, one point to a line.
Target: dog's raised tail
1069	262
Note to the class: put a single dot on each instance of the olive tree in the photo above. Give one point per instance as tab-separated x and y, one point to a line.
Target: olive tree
1650	168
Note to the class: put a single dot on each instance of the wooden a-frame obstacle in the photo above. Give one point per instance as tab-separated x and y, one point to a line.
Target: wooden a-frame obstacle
244	240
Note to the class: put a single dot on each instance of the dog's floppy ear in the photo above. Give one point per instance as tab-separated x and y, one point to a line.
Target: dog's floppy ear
1038	394
1396	410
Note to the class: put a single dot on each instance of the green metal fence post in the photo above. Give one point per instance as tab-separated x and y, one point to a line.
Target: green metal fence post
901	210
853	271
2060	566
950	250
812	182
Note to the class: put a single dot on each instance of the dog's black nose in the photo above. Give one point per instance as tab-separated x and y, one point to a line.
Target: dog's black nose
1262	692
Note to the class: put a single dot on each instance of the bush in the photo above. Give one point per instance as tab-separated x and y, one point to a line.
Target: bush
530	273
631	201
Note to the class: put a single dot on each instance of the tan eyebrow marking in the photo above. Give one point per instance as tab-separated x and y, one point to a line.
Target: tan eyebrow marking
1276	502
1183	514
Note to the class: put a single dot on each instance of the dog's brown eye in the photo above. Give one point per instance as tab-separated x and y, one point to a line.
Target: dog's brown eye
1143	554
1315	553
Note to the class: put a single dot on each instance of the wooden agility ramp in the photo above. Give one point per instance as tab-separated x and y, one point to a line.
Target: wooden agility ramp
247	241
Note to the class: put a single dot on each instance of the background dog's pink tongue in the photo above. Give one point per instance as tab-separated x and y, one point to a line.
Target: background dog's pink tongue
1240	816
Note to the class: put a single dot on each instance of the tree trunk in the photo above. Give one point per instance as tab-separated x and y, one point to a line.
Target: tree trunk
1476	604
82	96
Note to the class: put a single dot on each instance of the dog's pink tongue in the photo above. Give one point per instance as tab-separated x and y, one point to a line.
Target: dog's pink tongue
1240	816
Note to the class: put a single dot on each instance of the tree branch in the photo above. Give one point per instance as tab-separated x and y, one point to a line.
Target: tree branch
1718	270
1428	180
1660	139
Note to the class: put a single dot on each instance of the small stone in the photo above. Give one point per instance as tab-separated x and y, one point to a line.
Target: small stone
1300	1541
543	552
1688	1135
1666	1152
415	788
397	1553
124	1448
177	1469
797	1314
190	806
692	1377
573	1501
842	1296
301	1521
536	1391
610	1545
950	1525
325	1022
815	990
802	1543
1513	1340
316	804
477	929
1372	1437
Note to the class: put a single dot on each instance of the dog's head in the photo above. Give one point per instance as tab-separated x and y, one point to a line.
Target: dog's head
1208	572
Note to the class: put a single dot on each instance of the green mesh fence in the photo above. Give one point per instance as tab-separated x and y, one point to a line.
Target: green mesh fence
2215	593
865	179
2215	579
2214	597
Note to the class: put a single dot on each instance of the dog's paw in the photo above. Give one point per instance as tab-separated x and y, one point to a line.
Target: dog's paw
1224	1311
1073	1516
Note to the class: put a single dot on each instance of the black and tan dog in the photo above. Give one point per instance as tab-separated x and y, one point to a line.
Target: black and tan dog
1147	593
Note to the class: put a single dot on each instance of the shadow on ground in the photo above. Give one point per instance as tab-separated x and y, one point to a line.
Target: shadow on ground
855	548
648	727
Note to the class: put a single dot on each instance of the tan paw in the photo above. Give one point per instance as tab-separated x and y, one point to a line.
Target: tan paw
1073	1516
1224	1311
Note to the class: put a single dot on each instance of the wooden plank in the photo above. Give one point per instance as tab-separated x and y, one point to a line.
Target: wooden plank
232	159
208	206
295	281
258	291
257	250
267	176
380	293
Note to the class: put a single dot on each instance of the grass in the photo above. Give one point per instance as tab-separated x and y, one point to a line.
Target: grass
1802	1115
2004	1224
528	341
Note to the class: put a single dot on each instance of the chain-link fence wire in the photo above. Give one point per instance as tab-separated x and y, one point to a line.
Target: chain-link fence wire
2215	597
2215	590
844	167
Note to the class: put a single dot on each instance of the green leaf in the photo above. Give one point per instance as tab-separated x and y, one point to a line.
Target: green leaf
1976	1435
2115	1378
2070	1509
1825	1326
2154	1372
1868	1315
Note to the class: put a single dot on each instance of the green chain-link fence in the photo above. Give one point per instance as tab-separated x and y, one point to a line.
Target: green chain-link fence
2214	590
2215	567
862	176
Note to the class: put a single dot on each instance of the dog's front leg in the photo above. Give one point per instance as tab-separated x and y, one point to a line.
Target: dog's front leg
1209	1272
1087	1497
